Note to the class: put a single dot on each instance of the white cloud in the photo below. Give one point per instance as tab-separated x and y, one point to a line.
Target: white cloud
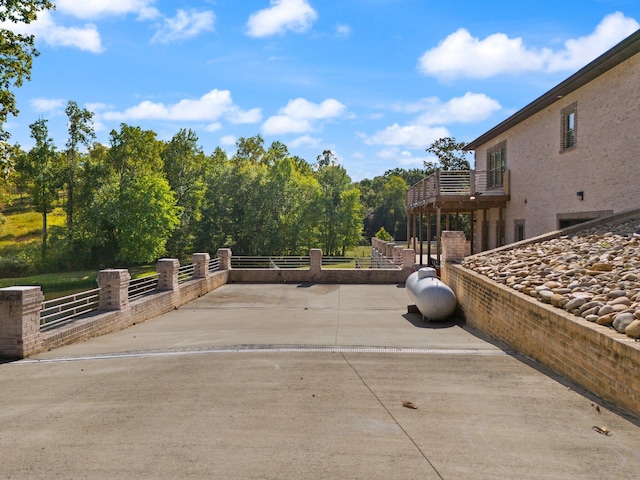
213	127
305	141
470	108
228	140
404	158
51	106
408	136
211	107
282	15
244	116
580	51
184	25
461	55
300	115
45	29
432	115
93	9
343	31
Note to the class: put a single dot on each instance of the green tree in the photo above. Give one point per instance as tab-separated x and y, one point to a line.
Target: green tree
16	54
42	166
130	211
384	198
382	234
81	132
410	176
185	166
338	208
450	154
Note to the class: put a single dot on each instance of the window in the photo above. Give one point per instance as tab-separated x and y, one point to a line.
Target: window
569	125
496	163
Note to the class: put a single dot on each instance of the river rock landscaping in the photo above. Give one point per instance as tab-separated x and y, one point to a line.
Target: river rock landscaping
593	274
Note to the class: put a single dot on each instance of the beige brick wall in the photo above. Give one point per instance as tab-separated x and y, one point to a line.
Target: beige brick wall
595	357
605	164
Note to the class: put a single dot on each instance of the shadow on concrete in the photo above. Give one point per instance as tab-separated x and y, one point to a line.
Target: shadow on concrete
419	321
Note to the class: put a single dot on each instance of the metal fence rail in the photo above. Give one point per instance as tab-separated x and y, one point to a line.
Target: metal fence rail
357	262
143	285
269	262
185	273
214	264
457	183
64	309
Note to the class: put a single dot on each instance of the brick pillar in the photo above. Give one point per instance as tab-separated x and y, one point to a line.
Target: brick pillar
201	265
454	245
315	260
114	289
224	254
20	321
408	258
388	250
396	253
168	270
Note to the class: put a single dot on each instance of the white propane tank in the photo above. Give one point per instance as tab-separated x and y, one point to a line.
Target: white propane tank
434	299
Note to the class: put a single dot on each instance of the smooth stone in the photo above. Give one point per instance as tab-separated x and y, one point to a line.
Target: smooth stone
605	309
590	311
633	329
621	307
620	301
605	319
616	293
622	321
575	303
602	267
592	318
545	295
584	295
557	300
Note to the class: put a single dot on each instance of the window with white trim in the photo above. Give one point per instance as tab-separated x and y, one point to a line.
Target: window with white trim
569	126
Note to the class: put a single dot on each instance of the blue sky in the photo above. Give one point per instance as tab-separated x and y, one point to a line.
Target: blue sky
375	81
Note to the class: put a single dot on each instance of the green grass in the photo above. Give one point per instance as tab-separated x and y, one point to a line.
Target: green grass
56	284
25	226
359	252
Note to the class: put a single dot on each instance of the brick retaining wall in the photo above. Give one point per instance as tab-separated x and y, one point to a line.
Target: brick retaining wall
138	311
593	356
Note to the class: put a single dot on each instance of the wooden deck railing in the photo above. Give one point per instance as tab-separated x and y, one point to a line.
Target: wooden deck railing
460	183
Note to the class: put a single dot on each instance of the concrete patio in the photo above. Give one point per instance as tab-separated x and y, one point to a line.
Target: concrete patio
302	381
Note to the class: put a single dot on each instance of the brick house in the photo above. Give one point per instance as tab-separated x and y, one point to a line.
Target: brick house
571	155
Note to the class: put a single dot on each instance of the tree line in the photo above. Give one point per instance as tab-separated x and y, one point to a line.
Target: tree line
140	198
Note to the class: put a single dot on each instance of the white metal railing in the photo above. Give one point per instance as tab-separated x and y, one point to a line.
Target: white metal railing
186	272
375	262
143	285
61	310
269	262
214	264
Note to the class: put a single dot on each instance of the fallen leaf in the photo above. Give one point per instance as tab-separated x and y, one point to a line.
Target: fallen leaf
602	430
409	405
